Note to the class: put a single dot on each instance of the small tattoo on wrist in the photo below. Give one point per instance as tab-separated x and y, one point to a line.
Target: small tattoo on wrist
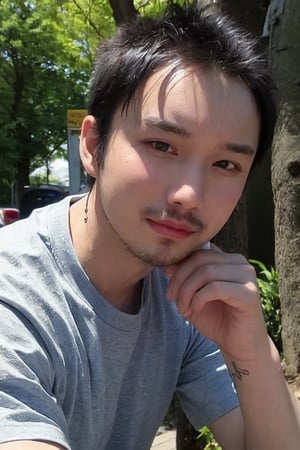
237	372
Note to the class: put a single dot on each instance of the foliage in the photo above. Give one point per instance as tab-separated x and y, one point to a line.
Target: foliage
47	48
86	23
268	285
46	53
208	437
36	83
155	6
42	179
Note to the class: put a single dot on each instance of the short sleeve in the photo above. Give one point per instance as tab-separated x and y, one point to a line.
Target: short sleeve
205	388
28	408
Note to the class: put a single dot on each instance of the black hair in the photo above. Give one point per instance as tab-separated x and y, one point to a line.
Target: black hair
186	36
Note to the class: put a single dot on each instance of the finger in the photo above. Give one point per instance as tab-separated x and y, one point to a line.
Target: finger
184	269
207	274
244	298
170	270
215	248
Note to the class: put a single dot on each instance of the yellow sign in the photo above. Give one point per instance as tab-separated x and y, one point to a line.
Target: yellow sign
75	117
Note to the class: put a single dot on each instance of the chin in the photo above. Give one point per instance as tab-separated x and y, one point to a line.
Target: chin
161	257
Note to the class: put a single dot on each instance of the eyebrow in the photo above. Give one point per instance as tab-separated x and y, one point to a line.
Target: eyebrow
171	127
241	148
166	125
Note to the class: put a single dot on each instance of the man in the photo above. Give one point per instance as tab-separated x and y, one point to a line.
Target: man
113	301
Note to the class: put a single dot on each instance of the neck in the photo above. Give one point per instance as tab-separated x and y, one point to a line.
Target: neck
115	273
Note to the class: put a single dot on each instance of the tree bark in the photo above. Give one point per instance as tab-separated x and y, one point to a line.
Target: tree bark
123	10
233	237
251	15
259	199
285	57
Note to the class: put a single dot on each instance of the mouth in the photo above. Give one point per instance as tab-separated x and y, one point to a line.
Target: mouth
171	229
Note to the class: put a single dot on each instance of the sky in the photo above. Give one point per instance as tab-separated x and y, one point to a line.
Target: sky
59	171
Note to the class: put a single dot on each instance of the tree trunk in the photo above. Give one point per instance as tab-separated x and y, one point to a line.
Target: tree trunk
285	58
123	10
259	200
233	237
22	176
251	15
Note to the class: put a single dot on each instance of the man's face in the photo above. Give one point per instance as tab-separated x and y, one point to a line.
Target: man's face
176	163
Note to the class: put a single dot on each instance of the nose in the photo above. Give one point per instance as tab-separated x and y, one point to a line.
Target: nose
186	189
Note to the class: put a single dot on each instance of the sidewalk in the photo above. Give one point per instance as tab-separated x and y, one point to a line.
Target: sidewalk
164	440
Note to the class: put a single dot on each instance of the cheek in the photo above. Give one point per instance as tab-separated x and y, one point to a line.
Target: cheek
221	208
226	199
127	176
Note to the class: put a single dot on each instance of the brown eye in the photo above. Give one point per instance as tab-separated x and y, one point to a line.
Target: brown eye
225	164
161	146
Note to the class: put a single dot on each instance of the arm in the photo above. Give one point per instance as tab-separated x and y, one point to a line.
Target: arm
28	409
30	445
271	412
233	421
218	294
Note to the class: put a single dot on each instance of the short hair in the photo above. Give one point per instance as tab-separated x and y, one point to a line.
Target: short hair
186	36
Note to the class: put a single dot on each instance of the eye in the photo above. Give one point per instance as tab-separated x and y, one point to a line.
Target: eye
226	165
161	146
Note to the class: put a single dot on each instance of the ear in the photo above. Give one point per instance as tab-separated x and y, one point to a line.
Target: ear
89	141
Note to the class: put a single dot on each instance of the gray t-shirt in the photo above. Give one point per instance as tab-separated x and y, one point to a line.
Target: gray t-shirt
78	372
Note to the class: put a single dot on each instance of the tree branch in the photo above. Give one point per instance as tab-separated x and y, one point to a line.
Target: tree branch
88	18
123	10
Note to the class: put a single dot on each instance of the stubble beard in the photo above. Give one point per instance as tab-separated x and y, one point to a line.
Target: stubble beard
162	256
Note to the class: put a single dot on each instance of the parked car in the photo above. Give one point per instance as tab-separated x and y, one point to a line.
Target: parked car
8	215
40	195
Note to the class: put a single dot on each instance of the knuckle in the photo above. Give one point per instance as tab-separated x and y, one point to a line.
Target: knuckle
250	270
217	288
241	259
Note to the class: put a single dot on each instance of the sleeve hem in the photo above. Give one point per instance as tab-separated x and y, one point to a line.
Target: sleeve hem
33	432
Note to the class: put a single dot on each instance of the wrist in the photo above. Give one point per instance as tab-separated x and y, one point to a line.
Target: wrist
265	359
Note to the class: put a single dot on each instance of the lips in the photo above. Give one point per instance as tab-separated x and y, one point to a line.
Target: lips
171	229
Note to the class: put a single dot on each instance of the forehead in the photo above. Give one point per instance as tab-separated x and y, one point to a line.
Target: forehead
195	89
198	99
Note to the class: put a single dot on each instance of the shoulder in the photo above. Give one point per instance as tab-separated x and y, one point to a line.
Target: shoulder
25	244
23	236
29	278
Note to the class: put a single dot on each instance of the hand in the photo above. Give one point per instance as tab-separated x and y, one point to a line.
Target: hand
217	292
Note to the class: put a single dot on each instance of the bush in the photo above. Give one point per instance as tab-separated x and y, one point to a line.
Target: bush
267	280
206	435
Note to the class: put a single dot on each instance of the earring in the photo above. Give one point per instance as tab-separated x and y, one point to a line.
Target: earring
86	210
